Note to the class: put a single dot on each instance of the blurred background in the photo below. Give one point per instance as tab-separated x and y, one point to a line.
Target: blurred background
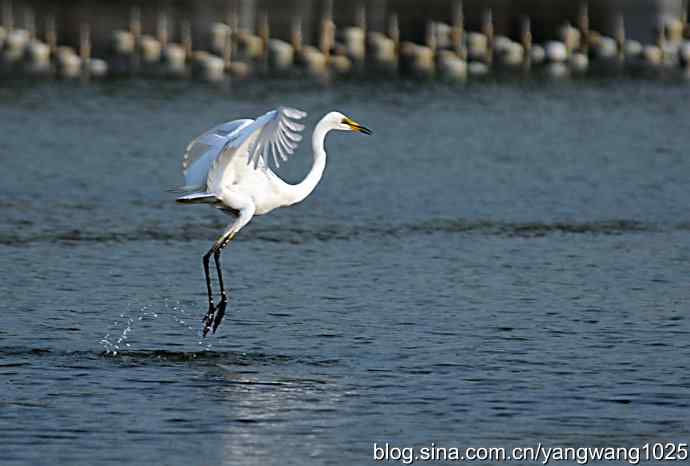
503	262
452	39
546	15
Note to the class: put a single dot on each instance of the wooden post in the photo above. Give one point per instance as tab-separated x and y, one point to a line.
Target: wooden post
7	16
51	34
327	29
296	35
30	22
264	33
488	31
361	23
431	36
227	51
458	30
186	39
135	23
583	23
162	29
84	49
620	36
526	39
135	29
394	31
361	17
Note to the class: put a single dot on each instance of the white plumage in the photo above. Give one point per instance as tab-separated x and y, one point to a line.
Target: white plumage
204	150
229	167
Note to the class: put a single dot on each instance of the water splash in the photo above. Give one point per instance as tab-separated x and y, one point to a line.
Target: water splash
114	343
116	339
182	318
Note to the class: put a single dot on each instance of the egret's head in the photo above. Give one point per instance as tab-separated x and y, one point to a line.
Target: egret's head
345	123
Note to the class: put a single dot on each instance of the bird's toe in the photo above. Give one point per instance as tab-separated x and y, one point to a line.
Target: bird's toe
220	313
209	318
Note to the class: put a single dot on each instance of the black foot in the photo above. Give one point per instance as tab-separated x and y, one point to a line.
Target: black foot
209	318
220	312
215	315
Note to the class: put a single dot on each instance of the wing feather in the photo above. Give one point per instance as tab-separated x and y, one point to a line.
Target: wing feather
274	152
202	152
287	146
293	113
291	126
272	136
277	125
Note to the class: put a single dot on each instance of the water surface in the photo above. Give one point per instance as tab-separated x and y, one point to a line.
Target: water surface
500	264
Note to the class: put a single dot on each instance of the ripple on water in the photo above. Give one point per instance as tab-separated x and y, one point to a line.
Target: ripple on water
291	234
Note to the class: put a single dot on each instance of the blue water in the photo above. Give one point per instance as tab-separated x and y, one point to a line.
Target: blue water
499	265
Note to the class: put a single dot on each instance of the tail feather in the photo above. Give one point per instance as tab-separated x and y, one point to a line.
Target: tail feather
197	198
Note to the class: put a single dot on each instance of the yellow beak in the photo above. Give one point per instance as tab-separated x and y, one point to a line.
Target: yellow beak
356	126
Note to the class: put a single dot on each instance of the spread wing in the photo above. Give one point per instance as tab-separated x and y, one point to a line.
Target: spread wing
274	136
204	150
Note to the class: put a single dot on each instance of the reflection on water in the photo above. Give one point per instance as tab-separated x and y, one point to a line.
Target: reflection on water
499	265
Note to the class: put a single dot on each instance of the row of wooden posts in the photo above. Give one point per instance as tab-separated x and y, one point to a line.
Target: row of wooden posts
449	50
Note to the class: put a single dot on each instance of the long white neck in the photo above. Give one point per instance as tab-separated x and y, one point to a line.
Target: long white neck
300	191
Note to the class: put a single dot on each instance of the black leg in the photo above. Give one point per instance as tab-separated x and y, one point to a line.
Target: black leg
216	259
220	313
220	308
215	313
207	256
210	315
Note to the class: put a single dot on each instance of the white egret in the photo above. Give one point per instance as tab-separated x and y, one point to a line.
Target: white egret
228	168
